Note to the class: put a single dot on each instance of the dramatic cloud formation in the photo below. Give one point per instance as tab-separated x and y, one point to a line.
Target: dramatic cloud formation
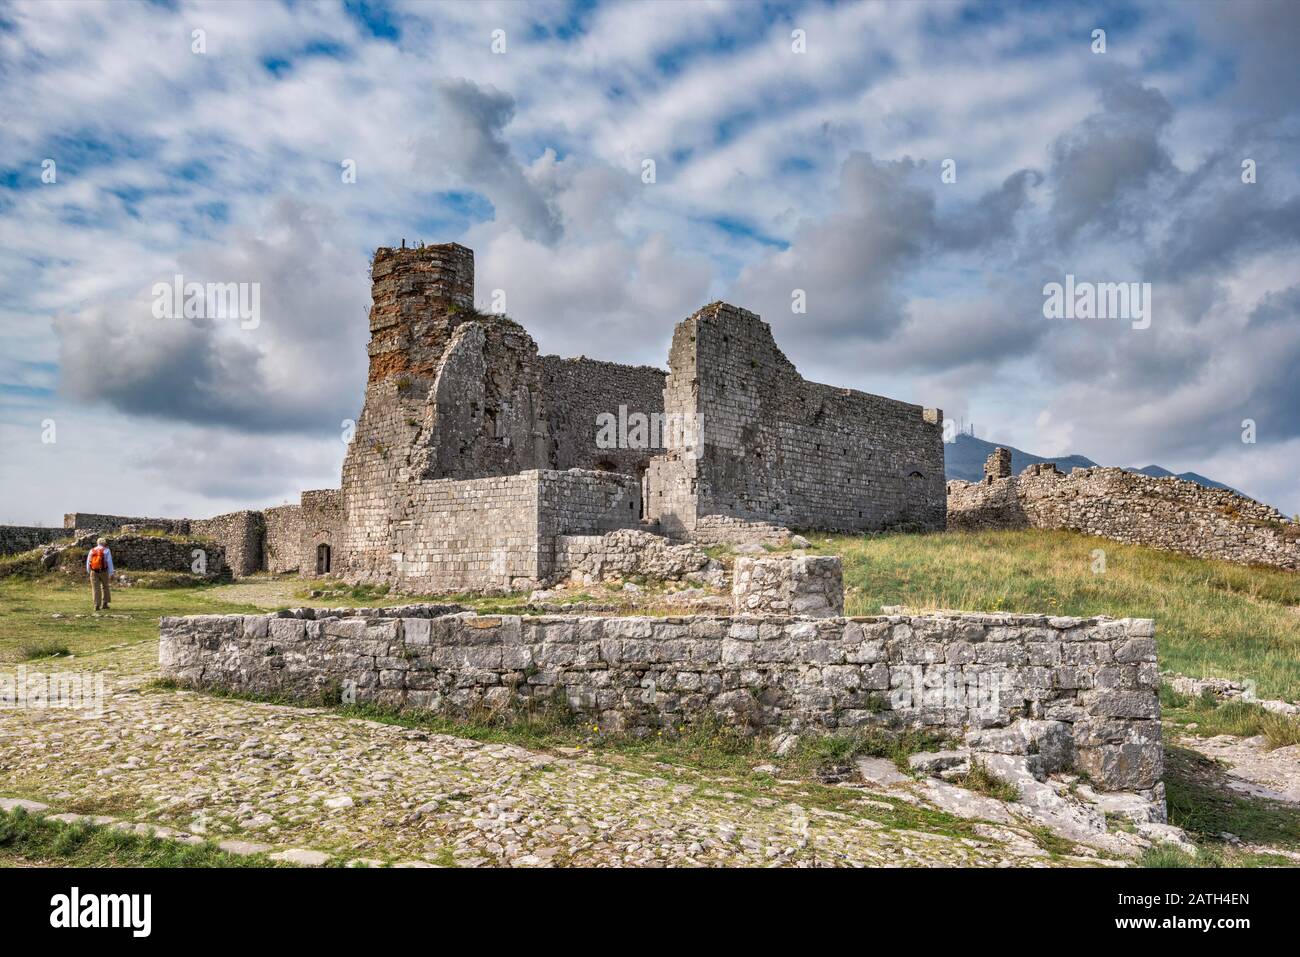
915	172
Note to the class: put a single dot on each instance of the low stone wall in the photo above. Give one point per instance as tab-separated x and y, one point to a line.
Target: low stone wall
138	553
23	538
629	551
1166	513
808	585
1094	677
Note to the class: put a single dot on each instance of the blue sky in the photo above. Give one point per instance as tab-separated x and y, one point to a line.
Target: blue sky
776	170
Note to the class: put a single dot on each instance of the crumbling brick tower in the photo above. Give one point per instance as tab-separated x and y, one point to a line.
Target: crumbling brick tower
452	393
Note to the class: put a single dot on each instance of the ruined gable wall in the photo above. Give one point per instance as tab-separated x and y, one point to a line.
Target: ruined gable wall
783	450
577	391
1166	513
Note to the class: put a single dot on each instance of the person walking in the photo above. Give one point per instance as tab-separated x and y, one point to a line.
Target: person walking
99	564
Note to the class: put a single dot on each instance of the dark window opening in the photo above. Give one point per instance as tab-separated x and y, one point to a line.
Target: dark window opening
322	559
916	475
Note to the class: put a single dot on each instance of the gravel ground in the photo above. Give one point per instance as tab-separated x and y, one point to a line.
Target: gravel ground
357	789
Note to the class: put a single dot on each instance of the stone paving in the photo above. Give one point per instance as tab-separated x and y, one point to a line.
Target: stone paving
368	792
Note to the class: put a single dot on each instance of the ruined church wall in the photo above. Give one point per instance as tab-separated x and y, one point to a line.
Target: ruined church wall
1166	513
577	391
1095	679
418	297
782	450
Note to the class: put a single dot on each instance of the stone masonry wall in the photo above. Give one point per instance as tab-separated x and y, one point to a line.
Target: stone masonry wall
282	541
500	533
322	524
629	551
22	538
1096	677
1166	513
139	553
240	536
474	534
578	390
807	585
781	450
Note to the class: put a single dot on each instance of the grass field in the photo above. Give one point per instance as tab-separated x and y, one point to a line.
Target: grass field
1212	618
30	841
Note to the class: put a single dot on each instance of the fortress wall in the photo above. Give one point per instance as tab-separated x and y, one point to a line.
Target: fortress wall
577	391
240	535
501	532
1166	513
782	450
282	543
1090	683
139	553
321	523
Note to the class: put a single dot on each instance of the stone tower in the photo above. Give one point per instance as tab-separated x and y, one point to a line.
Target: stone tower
451	393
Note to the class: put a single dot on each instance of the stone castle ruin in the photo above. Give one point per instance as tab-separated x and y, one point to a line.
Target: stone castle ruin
475	459
478	464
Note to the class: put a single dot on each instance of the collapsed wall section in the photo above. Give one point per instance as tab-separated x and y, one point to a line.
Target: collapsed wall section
1095	680
1167	513
781	450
